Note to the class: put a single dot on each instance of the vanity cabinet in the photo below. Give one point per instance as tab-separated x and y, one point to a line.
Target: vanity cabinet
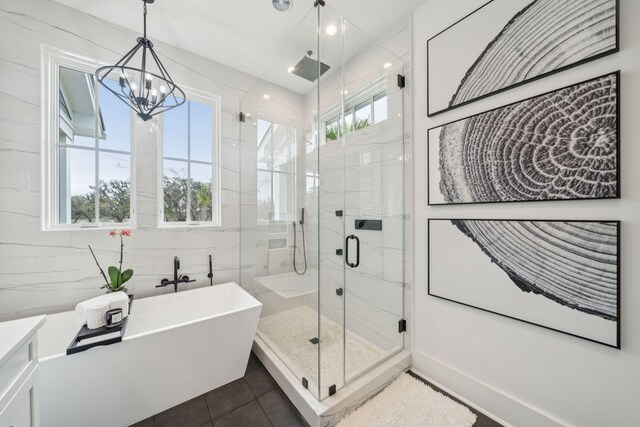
19	372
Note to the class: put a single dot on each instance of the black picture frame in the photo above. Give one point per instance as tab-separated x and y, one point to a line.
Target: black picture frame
437	176
617	223
517	84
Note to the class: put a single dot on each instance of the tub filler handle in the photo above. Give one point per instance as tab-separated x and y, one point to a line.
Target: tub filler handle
176	278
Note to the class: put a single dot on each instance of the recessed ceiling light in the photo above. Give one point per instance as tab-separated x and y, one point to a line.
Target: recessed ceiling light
331	29
387	65
345	92
290	69
266	97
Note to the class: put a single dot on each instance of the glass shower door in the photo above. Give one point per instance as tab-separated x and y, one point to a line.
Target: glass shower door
321	130
373	150
362	219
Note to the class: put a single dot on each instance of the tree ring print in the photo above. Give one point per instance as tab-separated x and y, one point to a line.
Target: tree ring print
561	145
572	263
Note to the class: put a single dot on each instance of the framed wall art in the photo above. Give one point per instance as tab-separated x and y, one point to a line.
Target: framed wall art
562	145
506	43
561	275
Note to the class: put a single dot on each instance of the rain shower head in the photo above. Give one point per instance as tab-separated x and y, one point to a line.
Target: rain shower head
307	68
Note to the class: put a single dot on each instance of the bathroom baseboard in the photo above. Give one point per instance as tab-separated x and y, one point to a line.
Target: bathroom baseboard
480	395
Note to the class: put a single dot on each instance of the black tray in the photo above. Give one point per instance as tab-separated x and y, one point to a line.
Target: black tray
86	333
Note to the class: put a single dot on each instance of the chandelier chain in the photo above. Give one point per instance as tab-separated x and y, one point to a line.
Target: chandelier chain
144	15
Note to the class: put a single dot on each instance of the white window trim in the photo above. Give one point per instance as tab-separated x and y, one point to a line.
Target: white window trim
353	101
292	173
216	173
51	61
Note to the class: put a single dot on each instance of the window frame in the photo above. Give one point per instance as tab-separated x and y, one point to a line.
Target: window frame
369	94
216	173
291	173
51	61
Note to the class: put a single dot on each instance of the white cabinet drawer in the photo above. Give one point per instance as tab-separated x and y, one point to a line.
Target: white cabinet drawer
22	417
13	367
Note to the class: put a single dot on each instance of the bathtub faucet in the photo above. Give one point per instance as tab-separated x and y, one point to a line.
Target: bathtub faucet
176	279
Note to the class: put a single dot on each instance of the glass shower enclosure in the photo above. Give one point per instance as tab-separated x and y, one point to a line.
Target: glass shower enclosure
322	202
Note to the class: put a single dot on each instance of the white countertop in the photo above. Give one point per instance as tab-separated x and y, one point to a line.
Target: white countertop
14	333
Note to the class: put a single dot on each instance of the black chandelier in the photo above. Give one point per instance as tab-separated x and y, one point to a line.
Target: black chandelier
148	90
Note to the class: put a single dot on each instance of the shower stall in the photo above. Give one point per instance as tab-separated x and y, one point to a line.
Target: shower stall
323	202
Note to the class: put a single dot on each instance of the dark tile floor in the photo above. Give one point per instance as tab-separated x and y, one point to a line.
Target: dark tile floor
481	421
253	400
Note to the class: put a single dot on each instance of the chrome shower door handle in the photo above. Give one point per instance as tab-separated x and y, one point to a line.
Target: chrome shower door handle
346	254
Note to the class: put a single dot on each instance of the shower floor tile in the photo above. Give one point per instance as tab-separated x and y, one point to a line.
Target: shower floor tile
291	335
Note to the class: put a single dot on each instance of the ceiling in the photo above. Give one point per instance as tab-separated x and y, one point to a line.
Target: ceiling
247	35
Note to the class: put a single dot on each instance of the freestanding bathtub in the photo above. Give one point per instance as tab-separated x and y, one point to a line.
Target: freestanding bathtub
176	346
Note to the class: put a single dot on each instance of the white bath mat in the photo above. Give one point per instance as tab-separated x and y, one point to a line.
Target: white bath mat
408	402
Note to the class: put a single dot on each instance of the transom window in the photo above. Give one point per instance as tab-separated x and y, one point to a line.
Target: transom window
93	155
190	181
357	116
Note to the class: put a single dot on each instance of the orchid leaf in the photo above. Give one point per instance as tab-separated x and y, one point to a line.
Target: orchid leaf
126	275
114	275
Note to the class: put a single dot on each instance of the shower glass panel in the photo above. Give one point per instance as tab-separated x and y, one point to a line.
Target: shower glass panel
373	157
331	231
322	220
361	203
279	190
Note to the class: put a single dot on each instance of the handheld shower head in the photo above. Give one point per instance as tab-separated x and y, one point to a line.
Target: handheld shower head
302	217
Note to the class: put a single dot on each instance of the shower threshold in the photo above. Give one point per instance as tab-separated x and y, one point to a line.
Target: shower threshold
330	410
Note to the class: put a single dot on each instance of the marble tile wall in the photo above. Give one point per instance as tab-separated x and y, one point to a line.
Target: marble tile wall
51	271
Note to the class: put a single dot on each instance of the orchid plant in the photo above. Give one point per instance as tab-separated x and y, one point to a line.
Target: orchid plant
117	276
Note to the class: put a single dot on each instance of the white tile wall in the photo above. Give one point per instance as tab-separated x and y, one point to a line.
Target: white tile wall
50	271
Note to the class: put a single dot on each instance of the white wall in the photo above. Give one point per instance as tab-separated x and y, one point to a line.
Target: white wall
50	271
526	375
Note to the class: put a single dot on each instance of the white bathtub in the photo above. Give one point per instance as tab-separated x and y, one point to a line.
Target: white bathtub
176	346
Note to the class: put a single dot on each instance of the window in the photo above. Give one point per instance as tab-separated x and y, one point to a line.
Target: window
189	174
88	176
275	171
372	110
379	107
